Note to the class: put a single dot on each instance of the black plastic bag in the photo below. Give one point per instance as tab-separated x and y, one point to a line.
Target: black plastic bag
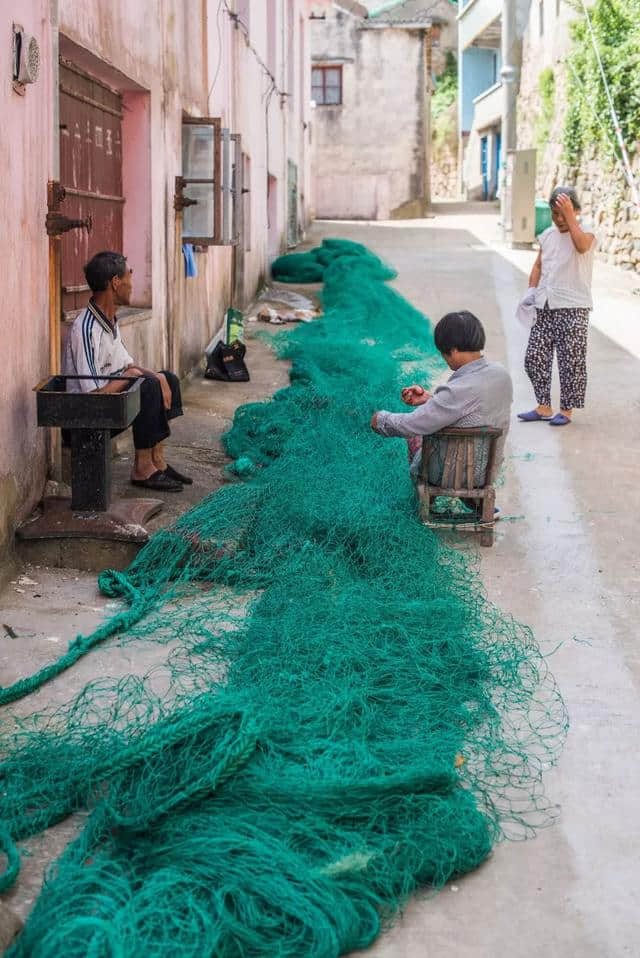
226	363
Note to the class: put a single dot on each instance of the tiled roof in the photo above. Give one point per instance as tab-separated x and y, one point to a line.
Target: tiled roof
401	11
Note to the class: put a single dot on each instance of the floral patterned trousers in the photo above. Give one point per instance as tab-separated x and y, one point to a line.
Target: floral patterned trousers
565	332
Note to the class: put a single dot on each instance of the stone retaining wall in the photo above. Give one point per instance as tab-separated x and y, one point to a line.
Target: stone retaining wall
599	180
444	161
444	173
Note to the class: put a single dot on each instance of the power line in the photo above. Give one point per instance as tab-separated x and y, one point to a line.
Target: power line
219	65
241	25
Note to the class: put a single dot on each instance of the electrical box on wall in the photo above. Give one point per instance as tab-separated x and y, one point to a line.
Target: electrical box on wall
26	57
521	196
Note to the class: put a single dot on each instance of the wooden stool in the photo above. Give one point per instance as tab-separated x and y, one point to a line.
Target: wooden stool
468	473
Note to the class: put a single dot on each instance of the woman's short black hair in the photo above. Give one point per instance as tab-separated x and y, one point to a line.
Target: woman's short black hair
101	269
568	191
462	331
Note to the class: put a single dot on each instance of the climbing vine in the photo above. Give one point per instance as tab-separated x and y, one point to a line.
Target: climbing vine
616	24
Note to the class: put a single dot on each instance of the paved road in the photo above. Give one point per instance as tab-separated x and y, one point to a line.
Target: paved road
570	570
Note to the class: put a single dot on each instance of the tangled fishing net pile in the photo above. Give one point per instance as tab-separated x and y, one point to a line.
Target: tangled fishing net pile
338	715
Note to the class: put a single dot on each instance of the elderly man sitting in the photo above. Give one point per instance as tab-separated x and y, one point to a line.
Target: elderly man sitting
94	349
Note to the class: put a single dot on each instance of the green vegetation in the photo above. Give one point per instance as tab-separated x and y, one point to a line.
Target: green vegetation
443	104
544	121
616	24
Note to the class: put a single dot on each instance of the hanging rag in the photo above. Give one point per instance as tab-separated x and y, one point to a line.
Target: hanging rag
190	268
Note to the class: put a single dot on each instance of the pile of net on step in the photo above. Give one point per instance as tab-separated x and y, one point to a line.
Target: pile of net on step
304	709
311	267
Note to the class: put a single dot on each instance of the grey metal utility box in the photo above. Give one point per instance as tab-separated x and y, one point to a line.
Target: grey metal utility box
521	196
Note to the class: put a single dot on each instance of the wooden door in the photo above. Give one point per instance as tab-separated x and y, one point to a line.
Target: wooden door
91	174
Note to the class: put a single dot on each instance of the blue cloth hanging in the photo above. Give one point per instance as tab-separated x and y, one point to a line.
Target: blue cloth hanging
190	268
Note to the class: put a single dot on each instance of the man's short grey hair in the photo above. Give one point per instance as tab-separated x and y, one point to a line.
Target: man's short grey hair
566	191
102	267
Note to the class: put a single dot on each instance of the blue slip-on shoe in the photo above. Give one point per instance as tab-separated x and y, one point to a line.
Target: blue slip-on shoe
559	420
532	416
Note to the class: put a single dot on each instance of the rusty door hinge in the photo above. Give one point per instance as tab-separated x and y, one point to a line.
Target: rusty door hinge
56	223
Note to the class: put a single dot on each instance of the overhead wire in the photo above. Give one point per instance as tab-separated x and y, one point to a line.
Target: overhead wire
219	64
244	29
272	86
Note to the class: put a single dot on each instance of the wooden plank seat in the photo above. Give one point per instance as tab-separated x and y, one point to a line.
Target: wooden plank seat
468	472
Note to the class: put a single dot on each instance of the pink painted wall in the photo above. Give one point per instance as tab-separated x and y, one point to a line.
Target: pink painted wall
167	60
278	30
26	120
136	175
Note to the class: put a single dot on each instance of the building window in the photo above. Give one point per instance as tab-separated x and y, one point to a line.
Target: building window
326	85
201	176
541	17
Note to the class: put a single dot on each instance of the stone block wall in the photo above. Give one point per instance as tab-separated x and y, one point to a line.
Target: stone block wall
599	179
444	172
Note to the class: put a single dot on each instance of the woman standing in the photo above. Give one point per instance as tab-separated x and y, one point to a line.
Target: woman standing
561	277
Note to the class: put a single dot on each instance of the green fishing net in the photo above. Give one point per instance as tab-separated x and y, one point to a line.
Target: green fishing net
336	715
310	267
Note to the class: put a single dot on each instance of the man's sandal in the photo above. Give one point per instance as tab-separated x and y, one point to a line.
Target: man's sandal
159	482
174	474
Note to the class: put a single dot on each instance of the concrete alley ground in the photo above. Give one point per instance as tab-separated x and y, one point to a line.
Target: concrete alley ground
568	568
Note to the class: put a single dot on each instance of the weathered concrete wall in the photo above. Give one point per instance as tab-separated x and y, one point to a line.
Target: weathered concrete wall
24	255
540	53
208	68
368	156
444	168
602	187
167	60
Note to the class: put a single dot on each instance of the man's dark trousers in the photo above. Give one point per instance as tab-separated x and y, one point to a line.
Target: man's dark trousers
151	425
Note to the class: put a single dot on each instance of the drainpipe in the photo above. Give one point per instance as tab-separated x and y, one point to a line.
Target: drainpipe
508	75
284	111
426	123
55	290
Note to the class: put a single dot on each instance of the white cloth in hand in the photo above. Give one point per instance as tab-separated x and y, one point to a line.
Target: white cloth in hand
526	310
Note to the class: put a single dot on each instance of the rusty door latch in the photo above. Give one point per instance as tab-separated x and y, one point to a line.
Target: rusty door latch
179	200
56	222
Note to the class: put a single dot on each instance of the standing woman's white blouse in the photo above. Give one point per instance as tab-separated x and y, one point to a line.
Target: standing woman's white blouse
565	282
